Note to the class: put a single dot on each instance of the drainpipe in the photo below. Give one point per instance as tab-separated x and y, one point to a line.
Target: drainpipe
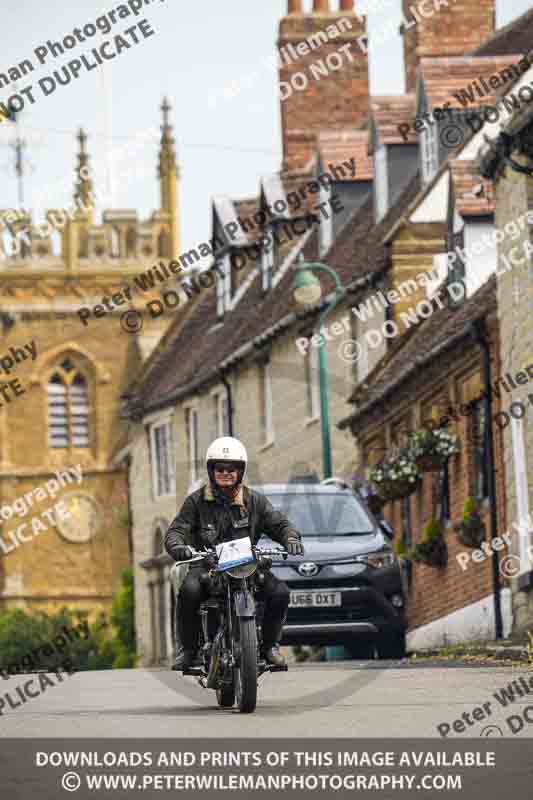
229	395
479	334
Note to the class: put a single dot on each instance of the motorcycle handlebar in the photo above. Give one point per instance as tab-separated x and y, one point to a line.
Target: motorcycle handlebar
200	555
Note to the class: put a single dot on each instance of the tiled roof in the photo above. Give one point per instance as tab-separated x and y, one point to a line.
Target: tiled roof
390	111
199	346
421	345
338	146
516	37
445	76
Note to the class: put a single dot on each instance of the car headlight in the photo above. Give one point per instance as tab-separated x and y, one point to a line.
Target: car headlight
380	559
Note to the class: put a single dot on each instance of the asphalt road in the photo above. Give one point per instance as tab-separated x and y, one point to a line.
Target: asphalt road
342	699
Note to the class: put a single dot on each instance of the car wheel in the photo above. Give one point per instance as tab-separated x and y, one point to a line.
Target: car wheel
392	645
361	649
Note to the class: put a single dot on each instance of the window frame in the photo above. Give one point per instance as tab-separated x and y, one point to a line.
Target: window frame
429	155
68	382
223	284
221	413
381	182
480	466
267	261
157	474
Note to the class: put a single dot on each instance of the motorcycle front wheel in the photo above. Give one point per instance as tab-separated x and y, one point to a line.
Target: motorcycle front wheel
246	669
226	695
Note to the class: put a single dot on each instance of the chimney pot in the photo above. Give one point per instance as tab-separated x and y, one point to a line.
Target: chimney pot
320	6
347	5
295	7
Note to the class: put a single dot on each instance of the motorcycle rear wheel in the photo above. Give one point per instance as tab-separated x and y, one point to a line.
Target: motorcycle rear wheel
246	670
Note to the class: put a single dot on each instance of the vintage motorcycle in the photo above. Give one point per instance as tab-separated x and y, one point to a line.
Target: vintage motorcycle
230	635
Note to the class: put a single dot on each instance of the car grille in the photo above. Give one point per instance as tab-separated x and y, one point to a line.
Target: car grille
310	615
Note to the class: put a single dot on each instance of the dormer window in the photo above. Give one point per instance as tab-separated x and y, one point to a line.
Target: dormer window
429	152
381	182
267	261
224	285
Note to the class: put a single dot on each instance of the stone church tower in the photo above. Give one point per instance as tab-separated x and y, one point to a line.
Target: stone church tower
64	506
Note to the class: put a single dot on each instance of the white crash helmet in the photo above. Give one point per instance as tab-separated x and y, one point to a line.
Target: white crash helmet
226	448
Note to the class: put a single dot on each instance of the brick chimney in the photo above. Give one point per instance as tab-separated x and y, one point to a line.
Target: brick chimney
453	30
295	7
323	74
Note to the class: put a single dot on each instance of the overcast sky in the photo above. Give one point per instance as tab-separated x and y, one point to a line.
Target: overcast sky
224	145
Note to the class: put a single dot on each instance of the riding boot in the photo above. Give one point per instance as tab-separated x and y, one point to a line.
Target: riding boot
272	632
178	660
186	645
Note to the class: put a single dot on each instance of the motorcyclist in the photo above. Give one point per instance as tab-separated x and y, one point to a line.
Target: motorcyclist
222	510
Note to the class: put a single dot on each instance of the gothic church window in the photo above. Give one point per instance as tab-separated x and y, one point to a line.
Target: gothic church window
68	407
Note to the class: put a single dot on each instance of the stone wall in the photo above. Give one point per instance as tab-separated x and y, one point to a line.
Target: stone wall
514	196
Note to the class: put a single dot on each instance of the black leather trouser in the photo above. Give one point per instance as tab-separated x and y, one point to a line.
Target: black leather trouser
193	592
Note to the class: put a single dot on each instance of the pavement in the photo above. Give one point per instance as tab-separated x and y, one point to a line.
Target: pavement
337	699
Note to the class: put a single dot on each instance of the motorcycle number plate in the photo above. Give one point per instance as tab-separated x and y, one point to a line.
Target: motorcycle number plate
234	553
314	598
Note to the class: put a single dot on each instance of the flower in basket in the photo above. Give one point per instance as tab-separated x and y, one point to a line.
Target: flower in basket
438	442
471	528
401	468
431	531
401	549
432	550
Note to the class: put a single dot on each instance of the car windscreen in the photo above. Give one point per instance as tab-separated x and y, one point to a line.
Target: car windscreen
314	514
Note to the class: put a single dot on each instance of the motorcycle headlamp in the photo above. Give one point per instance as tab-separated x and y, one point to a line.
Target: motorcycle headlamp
243	570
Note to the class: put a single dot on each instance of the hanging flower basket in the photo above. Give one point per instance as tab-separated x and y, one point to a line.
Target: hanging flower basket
433	553
432	550
430	449
395	477
395	490
471	530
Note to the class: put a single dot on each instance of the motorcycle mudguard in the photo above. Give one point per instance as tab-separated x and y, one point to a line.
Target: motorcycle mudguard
244	604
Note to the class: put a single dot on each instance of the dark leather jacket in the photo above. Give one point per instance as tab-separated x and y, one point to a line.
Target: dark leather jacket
205	521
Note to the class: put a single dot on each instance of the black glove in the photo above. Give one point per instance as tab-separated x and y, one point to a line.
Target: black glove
182	553
295	547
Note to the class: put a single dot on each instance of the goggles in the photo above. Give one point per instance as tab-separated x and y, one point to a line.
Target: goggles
227	466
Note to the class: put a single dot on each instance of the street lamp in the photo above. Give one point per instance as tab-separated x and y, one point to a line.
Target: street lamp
308	291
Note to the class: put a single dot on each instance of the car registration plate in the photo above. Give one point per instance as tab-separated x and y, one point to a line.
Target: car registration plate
315	598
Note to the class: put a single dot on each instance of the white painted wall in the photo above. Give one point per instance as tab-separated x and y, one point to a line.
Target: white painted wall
482	254
471	623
